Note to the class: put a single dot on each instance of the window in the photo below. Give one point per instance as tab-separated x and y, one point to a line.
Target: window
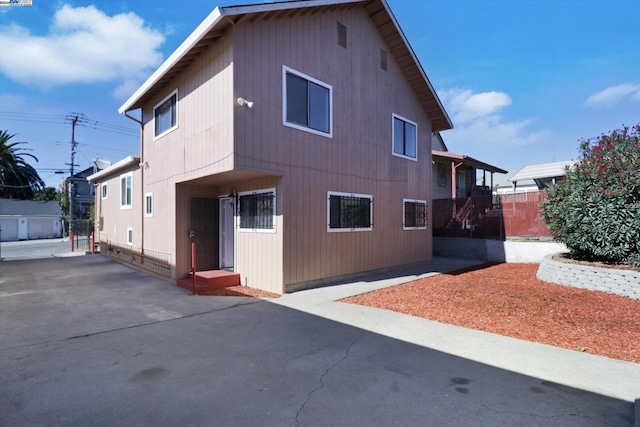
165	115
148	204
103	189
405	135
129	236
126	189
442	175
349	212
306	103
415	214
257	210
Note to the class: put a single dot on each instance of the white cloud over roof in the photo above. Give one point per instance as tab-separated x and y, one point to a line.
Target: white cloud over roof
83	45
614	94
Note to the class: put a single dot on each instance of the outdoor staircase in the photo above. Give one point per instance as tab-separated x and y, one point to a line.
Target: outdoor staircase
210	280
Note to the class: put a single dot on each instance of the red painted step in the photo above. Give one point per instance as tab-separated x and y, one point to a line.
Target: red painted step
210	280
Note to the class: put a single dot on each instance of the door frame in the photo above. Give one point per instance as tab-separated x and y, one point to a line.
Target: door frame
223	201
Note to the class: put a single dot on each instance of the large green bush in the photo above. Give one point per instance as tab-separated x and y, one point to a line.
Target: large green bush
595	211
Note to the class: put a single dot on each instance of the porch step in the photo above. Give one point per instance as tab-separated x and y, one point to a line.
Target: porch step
210	280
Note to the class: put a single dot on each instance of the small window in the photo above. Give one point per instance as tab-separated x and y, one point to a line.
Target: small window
442	175
383	59
103	189
129	236
126	191
405	136
165	115
257	210
415	214
349	212
148	204
306	103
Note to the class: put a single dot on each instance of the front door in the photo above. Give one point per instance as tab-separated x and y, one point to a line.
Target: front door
227	210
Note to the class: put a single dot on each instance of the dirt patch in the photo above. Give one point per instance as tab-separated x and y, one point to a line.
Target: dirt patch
508	299
241	291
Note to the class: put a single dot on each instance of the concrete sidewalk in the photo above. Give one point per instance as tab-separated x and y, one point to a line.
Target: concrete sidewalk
602	375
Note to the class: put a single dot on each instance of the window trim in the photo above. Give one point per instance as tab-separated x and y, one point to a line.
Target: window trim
104	191
172	128
347	230
296	73
124	176
148	197
416	201
257	230
130	236
395	116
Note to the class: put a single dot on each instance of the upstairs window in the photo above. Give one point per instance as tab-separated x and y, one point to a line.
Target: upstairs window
415	214
405	137
126	191
103	191
349	212
306	103
165	115
257	210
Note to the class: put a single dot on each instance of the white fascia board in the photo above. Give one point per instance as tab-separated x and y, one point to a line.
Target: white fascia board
202	29
126	162
270	7
415	59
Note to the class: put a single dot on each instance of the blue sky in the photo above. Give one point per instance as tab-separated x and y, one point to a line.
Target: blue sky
523	81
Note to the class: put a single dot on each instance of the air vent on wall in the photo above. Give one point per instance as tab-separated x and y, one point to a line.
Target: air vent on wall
342	35
383	60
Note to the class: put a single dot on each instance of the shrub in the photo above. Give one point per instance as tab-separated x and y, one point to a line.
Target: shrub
595	211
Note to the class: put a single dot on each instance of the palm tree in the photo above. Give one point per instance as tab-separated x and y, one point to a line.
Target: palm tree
18	179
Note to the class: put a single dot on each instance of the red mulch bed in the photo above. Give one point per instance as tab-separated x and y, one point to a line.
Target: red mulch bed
508	299
241	291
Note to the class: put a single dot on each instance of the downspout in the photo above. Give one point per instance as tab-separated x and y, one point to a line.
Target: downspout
454	183
142	203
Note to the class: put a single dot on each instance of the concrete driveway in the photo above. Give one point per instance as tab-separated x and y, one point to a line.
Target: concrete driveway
86	341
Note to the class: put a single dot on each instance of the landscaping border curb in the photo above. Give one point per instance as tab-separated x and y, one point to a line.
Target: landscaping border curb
612	280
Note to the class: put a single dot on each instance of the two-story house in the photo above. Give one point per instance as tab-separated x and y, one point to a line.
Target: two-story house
290	141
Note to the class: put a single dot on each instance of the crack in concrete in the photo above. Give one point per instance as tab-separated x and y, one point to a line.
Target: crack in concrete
124	328
321	386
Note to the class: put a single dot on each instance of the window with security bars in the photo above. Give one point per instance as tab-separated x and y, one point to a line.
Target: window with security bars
257	211
349	212
415	214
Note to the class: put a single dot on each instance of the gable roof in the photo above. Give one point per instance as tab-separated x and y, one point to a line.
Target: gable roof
544	170
466	160
29	208
214	26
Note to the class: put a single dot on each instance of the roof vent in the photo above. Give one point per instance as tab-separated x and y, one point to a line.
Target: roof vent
342	35
383	60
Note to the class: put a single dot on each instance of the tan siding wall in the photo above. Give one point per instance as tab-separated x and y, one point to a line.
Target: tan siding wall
357	159
117	220
258	255
441	192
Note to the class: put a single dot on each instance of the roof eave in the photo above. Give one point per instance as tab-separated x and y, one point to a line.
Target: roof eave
125	163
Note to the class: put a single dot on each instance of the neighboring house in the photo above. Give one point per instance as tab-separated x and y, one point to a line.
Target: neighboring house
502	185
29	219
456	175
84	193
542	175
291	140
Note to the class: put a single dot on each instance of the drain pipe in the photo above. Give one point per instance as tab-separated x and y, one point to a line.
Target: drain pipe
142	161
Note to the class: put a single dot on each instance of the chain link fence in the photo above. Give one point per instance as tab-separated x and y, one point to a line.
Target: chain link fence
513	216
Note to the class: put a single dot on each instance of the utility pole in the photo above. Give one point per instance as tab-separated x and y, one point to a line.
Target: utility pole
74	118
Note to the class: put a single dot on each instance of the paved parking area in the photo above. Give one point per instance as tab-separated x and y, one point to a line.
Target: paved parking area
87	341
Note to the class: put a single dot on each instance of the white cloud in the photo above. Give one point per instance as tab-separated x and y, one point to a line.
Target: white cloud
477	121
84	45
614	94
468	106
